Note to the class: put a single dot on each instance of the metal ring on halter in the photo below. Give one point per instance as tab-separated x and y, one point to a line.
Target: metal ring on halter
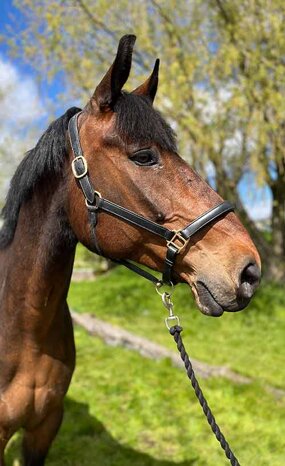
160	284
94	207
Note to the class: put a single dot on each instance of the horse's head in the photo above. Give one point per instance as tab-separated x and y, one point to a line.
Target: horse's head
133	161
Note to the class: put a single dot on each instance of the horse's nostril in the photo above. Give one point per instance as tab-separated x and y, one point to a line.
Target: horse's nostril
249	280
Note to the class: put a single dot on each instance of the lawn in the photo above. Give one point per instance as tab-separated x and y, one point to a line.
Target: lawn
125	410
250	342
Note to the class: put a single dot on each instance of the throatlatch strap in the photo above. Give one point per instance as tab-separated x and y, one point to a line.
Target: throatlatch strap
138	270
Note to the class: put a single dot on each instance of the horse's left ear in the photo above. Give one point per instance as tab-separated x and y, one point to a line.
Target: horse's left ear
109	89
149	87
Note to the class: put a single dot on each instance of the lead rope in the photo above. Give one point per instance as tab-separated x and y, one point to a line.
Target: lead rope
175	331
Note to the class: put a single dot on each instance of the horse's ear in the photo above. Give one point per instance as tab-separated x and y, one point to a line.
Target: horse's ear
109	89
149	87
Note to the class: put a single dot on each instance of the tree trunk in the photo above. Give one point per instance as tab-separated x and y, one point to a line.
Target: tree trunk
272	264
278	223
272	253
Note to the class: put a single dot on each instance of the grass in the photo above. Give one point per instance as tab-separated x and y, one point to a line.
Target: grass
250	342
124	410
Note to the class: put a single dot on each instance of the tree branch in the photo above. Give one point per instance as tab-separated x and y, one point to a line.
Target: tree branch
138	57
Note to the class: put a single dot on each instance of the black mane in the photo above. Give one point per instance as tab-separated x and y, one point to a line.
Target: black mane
46	159
138	121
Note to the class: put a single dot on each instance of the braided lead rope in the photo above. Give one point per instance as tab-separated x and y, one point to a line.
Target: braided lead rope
175	332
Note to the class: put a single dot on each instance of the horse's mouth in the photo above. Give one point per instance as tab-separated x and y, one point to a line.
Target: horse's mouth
207	303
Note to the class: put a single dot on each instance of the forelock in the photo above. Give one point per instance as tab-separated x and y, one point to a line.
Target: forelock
138	122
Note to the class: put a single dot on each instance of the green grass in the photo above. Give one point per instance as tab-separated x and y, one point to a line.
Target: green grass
146	414
125	410
250	342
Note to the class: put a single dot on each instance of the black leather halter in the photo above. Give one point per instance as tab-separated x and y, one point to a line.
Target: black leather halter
176	240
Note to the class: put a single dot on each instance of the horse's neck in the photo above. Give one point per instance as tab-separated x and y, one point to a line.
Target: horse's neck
38	263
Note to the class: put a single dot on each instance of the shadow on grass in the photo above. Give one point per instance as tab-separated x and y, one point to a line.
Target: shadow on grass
84	441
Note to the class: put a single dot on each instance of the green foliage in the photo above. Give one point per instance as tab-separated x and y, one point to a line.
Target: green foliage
124	410
222	56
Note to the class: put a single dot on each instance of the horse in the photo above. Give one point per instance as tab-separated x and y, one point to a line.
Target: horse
129	154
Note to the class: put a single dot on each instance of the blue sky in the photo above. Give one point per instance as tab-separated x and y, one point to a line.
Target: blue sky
34	97
7	13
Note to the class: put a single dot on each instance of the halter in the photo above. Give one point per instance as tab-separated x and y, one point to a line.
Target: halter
176	240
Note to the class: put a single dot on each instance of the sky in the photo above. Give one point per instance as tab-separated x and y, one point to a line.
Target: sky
25	112
22	108
22	104
8	13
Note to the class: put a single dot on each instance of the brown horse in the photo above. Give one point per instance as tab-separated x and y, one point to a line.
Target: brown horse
133	161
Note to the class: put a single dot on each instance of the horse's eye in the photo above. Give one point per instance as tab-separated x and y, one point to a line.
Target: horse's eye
146	157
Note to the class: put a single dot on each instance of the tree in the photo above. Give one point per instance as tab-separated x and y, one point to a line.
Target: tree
222	80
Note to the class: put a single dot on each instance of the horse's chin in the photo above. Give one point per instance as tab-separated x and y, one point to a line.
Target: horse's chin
205	300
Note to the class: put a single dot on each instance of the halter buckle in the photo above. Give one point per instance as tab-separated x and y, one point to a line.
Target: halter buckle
94	207
182	242
75	169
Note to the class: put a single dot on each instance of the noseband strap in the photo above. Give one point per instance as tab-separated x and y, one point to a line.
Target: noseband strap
176	240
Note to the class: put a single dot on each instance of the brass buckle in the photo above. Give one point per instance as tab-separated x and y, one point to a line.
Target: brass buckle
84	161
94	207
182	242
